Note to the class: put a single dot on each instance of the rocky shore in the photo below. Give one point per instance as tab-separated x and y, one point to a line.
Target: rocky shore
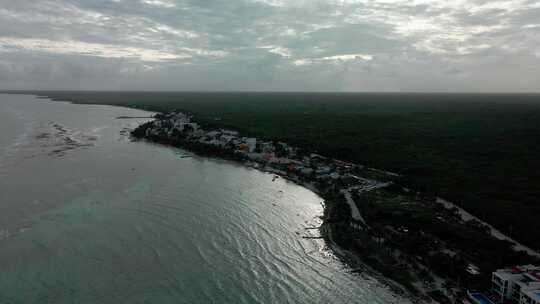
415	244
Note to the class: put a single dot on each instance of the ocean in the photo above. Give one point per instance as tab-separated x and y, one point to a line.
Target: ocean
89	216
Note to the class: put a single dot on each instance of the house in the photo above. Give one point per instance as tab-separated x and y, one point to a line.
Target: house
335	176
225	139
211	142
230	132
267	147
306	171
212	134
252	144
472	269
193	127
323	170
257	157
243	148
318	157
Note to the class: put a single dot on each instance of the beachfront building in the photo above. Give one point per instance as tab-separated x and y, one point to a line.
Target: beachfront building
252	144
528	288
530	297
230	133
516	284
267	147
502	283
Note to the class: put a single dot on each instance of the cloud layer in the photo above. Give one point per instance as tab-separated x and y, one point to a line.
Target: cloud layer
299	45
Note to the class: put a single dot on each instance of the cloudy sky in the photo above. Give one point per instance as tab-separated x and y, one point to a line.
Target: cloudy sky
278	45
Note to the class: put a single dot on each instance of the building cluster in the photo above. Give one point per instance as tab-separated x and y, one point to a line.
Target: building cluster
277	155
519	284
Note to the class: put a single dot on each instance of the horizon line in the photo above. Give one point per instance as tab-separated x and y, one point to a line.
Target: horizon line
260	92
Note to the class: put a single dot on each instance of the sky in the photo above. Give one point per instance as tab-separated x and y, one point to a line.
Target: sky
271	45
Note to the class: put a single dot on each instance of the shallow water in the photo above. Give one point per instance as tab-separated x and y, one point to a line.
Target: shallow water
87	216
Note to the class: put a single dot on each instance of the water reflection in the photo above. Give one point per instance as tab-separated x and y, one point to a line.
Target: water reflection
111	221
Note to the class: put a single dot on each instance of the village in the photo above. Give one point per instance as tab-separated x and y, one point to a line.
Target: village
179	127
418	244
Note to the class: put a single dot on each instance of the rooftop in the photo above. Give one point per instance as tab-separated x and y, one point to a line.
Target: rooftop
531	276
526	273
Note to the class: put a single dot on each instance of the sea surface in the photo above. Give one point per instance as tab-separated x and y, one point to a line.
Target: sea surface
88	216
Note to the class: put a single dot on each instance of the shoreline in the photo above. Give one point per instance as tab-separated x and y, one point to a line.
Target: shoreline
157	187
419	248
352	261
345	254
327	229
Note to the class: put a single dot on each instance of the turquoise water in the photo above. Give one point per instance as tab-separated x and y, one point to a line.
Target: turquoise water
87	216
481	299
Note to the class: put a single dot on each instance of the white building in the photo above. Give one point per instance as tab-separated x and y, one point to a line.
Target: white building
252	144
212	134
528	288
513	283
229	132
530	297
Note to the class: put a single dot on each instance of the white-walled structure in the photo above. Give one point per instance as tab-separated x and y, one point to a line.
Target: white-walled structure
519	284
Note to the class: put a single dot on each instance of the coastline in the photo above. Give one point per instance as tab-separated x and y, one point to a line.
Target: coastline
360	267
326	230
347	255
213	222
427	260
